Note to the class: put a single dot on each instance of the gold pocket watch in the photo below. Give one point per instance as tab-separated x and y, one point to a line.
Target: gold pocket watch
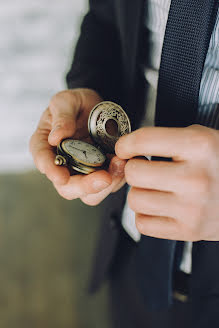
106	123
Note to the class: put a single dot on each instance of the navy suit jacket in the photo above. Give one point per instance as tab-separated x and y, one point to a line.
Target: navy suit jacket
109	58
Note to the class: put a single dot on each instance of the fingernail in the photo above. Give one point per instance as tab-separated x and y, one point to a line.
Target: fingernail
118	168
100	185
55	129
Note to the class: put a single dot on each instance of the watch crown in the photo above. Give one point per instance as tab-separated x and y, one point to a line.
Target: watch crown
60	160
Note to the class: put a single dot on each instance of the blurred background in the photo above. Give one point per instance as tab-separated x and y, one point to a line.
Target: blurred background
46	242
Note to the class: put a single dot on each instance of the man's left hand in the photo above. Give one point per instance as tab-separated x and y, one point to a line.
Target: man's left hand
179	199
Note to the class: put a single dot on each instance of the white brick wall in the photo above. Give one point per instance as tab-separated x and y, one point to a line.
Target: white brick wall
37	38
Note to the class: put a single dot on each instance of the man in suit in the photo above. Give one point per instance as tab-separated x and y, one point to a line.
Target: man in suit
159	60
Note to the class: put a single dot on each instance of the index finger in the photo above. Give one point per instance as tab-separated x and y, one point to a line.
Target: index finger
155	141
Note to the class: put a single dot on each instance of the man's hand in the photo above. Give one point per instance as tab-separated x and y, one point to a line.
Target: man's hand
174	200
67	116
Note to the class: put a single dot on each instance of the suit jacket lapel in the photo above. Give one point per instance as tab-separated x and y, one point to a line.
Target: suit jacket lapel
129	16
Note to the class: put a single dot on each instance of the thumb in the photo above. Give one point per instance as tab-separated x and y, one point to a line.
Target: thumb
117	167
64	108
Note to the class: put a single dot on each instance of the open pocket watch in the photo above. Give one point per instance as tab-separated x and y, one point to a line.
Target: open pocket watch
106	123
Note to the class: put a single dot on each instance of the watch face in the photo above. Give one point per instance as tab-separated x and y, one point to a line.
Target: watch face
83	153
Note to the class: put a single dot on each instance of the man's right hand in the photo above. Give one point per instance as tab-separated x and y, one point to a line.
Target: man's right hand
67	117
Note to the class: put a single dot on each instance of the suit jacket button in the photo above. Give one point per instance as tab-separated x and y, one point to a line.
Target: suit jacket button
113	221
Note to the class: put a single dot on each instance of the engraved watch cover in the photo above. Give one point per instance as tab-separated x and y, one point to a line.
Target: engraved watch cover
99	117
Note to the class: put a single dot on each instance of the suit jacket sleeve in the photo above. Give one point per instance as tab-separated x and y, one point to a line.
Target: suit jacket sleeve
97	58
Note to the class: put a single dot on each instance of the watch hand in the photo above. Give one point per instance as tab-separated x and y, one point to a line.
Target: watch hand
85	153
77	149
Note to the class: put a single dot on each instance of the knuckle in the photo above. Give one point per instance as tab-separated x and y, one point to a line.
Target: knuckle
64	194
139	222
35	141
56	97
88	188
203	141
139	135
142	132
118	185
194	233
197	182
194	213
201	183
39	162
91	201
193	226
61	179
130	171
53	101
65	98
132	201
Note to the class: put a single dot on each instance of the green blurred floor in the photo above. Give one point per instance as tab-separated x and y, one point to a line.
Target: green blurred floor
46	246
